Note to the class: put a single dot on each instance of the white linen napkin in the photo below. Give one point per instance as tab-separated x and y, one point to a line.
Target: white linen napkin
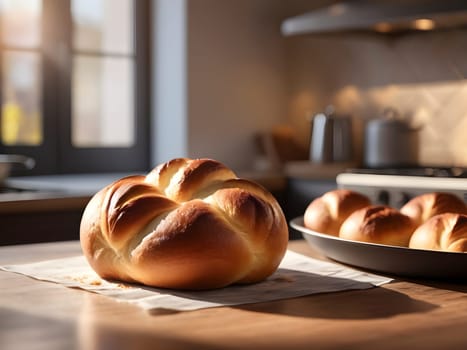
297	275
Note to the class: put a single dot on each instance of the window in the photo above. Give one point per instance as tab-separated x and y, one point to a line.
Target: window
74	84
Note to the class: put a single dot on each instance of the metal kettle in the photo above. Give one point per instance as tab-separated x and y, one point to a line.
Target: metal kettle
390	141
331	137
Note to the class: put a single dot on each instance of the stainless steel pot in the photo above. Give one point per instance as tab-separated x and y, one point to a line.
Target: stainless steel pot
390	142
9	160
331	137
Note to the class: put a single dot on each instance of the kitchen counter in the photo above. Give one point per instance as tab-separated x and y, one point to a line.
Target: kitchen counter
307	170
36	209
399	315
53	192
65	192
73	191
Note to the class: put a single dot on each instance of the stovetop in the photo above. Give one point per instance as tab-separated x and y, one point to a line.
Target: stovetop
445	172
396	186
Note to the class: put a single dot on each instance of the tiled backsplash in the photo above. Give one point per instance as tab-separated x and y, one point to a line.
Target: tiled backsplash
423	76
437	110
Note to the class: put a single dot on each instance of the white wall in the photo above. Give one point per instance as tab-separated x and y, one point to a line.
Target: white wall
236	73
168	110
219	78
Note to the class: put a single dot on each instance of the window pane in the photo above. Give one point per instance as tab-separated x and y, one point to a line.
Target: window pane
21	99
103	25
103	107
20	22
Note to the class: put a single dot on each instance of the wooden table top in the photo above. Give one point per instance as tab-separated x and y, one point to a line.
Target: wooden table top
399	315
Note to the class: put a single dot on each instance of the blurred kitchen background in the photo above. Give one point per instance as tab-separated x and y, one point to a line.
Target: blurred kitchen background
118	86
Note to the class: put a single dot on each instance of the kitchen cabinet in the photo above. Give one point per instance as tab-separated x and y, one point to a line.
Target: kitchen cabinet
299	193
307	181
36	220
36	227
46	208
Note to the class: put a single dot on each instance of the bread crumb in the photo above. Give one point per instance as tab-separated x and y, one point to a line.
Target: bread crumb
87	280
282	278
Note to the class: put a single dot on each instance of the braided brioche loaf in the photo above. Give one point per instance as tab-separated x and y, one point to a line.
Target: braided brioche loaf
188	224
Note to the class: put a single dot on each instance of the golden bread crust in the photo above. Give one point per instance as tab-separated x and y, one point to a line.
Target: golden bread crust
445	232
425	206
326	214
378	224
188	224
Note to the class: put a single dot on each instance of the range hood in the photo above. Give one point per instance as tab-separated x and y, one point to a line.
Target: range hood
383	16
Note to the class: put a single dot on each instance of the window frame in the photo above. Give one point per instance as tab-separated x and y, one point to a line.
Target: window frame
56	154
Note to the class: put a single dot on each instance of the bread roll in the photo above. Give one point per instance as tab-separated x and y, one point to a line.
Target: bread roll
425	206
378	224
327	213
188	224
446	232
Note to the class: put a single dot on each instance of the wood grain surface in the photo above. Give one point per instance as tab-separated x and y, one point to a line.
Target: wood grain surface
400	315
